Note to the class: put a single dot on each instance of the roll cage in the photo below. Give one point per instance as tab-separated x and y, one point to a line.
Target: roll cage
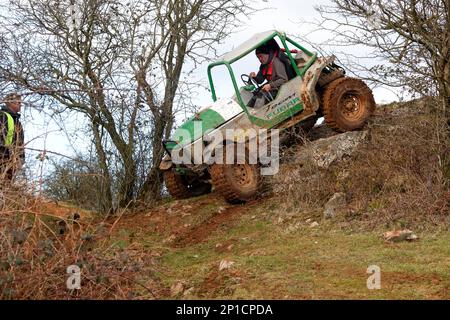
249	46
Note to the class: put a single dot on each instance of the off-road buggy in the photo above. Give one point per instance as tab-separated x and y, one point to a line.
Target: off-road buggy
318	87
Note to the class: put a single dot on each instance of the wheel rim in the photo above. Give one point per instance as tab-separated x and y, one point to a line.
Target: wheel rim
352	105
243	175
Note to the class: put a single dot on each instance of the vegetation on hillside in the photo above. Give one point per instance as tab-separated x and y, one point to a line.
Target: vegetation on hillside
272	248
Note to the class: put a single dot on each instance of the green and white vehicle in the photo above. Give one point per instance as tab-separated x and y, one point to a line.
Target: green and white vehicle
319	88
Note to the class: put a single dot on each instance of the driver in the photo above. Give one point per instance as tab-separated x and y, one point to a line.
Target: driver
273	70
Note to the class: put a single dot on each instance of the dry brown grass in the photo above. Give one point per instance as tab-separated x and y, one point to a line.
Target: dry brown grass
37	247
395	179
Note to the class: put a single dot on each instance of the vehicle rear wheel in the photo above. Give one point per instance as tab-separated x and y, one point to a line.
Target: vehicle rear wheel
237	183
181	187
347	104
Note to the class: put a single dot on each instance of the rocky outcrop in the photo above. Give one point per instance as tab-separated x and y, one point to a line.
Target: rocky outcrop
324	152
320	153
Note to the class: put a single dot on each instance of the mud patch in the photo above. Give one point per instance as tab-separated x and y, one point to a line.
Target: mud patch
219	283
223	219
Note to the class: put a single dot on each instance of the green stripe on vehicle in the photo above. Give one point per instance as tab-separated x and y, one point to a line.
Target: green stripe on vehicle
197	125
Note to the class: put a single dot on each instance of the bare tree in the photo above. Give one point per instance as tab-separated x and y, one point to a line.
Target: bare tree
409	41
122	66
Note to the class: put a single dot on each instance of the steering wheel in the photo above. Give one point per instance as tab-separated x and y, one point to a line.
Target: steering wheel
251	82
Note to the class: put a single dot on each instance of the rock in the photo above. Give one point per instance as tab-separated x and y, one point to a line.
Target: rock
399	235
335	202
176	289
335	148
170	239
188	291
412	237
221	209
324	152
329	213
225	264
293	227
314	224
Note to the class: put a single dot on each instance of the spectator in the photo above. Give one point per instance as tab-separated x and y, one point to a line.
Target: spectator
12	154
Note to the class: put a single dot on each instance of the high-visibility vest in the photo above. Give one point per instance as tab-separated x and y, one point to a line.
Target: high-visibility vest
10	132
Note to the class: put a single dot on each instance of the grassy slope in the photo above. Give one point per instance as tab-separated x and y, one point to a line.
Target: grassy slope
391	183
291	260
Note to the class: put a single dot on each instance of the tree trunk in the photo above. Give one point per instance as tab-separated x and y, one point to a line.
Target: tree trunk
105	195
151	189
129	179
446	97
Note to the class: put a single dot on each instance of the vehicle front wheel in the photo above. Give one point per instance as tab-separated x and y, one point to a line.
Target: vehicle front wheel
237	183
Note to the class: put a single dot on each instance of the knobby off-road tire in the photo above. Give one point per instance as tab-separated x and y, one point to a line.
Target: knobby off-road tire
179	188
237	183
347	104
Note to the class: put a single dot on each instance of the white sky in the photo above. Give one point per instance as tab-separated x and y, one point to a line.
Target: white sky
43	133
